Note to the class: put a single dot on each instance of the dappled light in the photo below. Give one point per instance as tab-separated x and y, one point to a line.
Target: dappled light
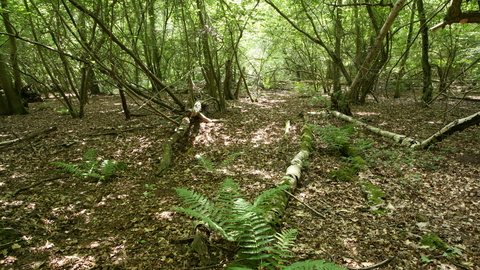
276	134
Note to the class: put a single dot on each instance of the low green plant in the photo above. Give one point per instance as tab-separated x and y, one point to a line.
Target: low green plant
334	137
207	163
238	220
93	166
150	190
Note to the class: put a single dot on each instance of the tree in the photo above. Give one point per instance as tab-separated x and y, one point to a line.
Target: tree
12	104
427	91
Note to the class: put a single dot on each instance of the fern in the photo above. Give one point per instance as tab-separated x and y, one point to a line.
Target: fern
209	165
240	221
91	168
229	159
314	265
70	168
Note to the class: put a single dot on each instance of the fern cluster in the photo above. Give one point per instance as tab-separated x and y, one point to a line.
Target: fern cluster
240	221
333	136
92	166
209	165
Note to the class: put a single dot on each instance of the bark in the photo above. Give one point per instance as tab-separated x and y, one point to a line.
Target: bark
456	15
168	145
452	127
279	201
449	129
362	73
427	69
402	139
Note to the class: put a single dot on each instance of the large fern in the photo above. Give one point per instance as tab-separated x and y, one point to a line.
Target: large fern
240	221
92	166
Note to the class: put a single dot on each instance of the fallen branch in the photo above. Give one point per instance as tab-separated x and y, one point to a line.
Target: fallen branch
37	183
373	266
168	145
306	205
28	137
279	201
449	129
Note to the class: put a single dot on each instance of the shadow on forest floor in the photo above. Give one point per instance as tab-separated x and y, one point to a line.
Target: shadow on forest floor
128	221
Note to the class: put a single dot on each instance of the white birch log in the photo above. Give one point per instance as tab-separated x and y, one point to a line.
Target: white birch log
452	127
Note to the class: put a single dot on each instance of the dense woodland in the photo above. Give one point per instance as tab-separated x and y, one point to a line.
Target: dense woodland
239	134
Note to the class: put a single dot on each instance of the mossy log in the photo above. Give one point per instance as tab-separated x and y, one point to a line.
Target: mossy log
293	174
168	145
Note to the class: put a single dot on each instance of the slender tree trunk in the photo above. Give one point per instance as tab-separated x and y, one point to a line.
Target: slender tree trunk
367	65
336	98
17	80
13	103
401	73
427	69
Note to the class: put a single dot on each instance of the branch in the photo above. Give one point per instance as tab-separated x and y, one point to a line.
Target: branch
28	137
45	46
364	4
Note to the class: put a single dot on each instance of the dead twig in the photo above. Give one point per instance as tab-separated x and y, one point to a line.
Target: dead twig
306	205
37	183
373	266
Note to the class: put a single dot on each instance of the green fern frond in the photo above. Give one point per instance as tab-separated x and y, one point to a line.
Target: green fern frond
314	265
108	167
267	195
205	163
229	159
91	155
285	240
70	168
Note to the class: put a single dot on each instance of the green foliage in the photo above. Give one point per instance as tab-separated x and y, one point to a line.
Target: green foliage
209	165
433	241
314	265
334	137
240	221
93	166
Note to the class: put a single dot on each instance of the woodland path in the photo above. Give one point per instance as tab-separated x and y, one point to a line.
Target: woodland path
128	222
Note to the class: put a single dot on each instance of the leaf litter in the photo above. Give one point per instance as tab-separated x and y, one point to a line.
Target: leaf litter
129	222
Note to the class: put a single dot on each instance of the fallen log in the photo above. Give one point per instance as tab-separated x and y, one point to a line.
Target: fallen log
449	129
28	137
168	145
279	202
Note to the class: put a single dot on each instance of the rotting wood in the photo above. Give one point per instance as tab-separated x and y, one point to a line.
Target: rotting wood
449	129
279	201
28	137
168	145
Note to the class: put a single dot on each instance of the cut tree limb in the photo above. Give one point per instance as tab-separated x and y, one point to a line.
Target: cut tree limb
279	201
168	145
449	129
402	139
28	137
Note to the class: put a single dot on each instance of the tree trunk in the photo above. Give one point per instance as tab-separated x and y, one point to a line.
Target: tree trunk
427	69
367	65
12	104
403	62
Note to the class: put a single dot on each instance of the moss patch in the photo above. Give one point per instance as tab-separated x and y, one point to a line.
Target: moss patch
373	194
433	241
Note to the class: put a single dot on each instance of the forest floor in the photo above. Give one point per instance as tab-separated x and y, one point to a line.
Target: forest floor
53	220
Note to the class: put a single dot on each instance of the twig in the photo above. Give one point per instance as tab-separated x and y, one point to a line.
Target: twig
309	207
373	266
37	183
